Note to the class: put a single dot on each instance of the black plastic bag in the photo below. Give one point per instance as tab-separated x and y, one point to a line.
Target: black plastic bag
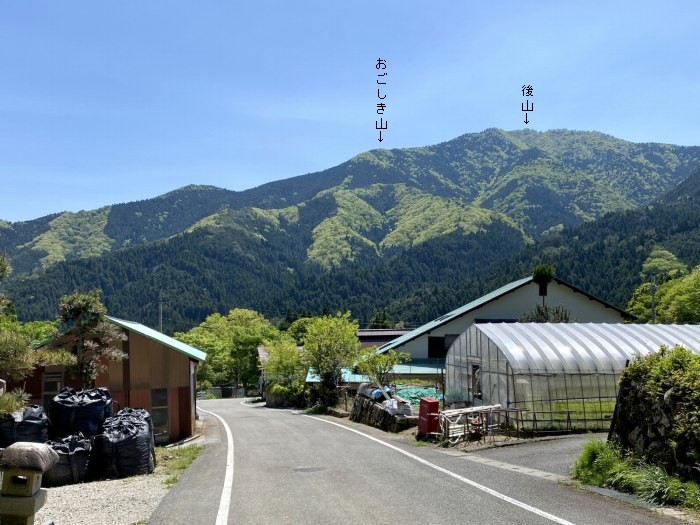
8	430
125	447
81	411
34	426
73	462
141	414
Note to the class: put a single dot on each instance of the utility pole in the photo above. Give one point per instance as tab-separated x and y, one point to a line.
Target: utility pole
652	288
160	310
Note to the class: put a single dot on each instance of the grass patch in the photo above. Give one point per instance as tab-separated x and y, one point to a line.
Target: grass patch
173	461
604	465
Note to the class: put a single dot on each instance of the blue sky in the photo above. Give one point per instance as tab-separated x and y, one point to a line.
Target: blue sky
108	102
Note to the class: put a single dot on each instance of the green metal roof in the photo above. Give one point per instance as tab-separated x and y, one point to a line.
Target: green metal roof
462	310
478	303
406	369
163	339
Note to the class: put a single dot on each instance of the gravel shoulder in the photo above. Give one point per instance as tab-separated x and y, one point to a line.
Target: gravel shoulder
124	501
113	502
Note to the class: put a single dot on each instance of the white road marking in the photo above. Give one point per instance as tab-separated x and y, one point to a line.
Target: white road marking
514	468
226	490
468	481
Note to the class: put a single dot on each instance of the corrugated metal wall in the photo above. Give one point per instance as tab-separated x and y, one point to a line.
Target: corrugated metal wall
154	366
150	366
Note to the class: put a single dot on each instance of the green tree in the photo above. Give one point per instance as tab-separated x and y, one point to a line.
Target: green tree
213	336
87	334
17	355
543	274
249	330
298	329
331	344
381	319
546	314
38	331
677	300
4	265
285	362
639	304
379	367
6	308
231	343
662	265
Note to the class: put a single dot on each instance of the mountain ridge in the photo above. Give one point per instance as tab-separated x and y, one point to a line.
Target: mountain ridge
481	197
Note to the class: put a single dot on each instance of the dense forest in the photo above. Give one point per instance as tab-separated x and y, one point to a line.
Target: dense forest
417	231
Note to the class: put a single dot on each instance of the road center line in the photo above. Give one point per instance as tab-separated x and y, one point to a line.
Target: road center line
226	490
468	481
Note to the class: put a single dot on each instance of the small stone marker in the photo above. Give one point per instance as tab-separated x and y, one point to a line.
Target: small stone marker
21	496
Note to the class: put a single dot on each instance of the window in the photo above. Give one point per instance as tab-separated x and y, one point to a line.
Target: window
52	384
438	346
159	414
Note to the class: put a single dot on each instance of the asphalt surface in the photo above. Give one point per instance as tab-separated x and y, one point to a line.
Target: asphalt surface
292	468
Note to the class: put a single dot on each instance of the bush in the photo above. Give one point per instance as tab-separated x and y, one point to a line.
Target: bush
659	410
278	395
13	401
691	498
204	385
602	464
658	488
318	408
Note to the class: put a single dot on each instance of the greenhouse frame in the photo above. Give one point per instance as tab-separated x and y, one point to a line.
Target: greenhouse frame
552	376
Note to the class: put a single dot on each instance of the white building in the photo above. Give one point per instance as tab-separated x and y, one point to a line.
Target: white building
506	304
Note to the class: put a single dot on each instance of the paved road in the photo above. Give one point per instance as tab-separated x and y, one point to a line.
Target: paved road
292	468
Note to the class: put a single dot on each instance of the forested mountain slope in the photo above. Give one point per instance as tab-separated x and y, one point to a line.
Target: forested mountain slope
603	257
540	180
420	229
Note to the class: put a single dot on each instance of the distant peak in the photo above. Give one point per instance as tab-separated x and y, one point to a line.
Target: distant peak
195	187
190	188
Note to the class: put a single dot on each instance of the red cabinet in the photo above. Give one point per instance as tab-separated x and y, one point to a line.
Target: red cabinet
428	422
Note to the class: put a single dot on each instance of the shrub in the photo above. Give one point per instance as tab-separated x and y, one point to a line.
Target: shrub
691	496
663	387
658	488
277	390
594	462
318	408
283	396
602	464
13	401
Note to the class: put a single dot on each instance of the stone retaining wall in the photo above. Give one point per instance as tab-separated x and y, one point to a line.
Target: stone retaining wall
644	425
368	412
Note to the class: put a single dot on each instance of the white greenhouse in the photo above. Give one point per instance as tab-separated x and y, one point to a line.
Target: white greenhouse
552	376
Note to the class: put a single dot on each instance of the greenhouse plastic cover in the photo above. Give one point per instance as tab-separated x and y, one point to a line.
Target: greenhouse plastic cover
582	347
